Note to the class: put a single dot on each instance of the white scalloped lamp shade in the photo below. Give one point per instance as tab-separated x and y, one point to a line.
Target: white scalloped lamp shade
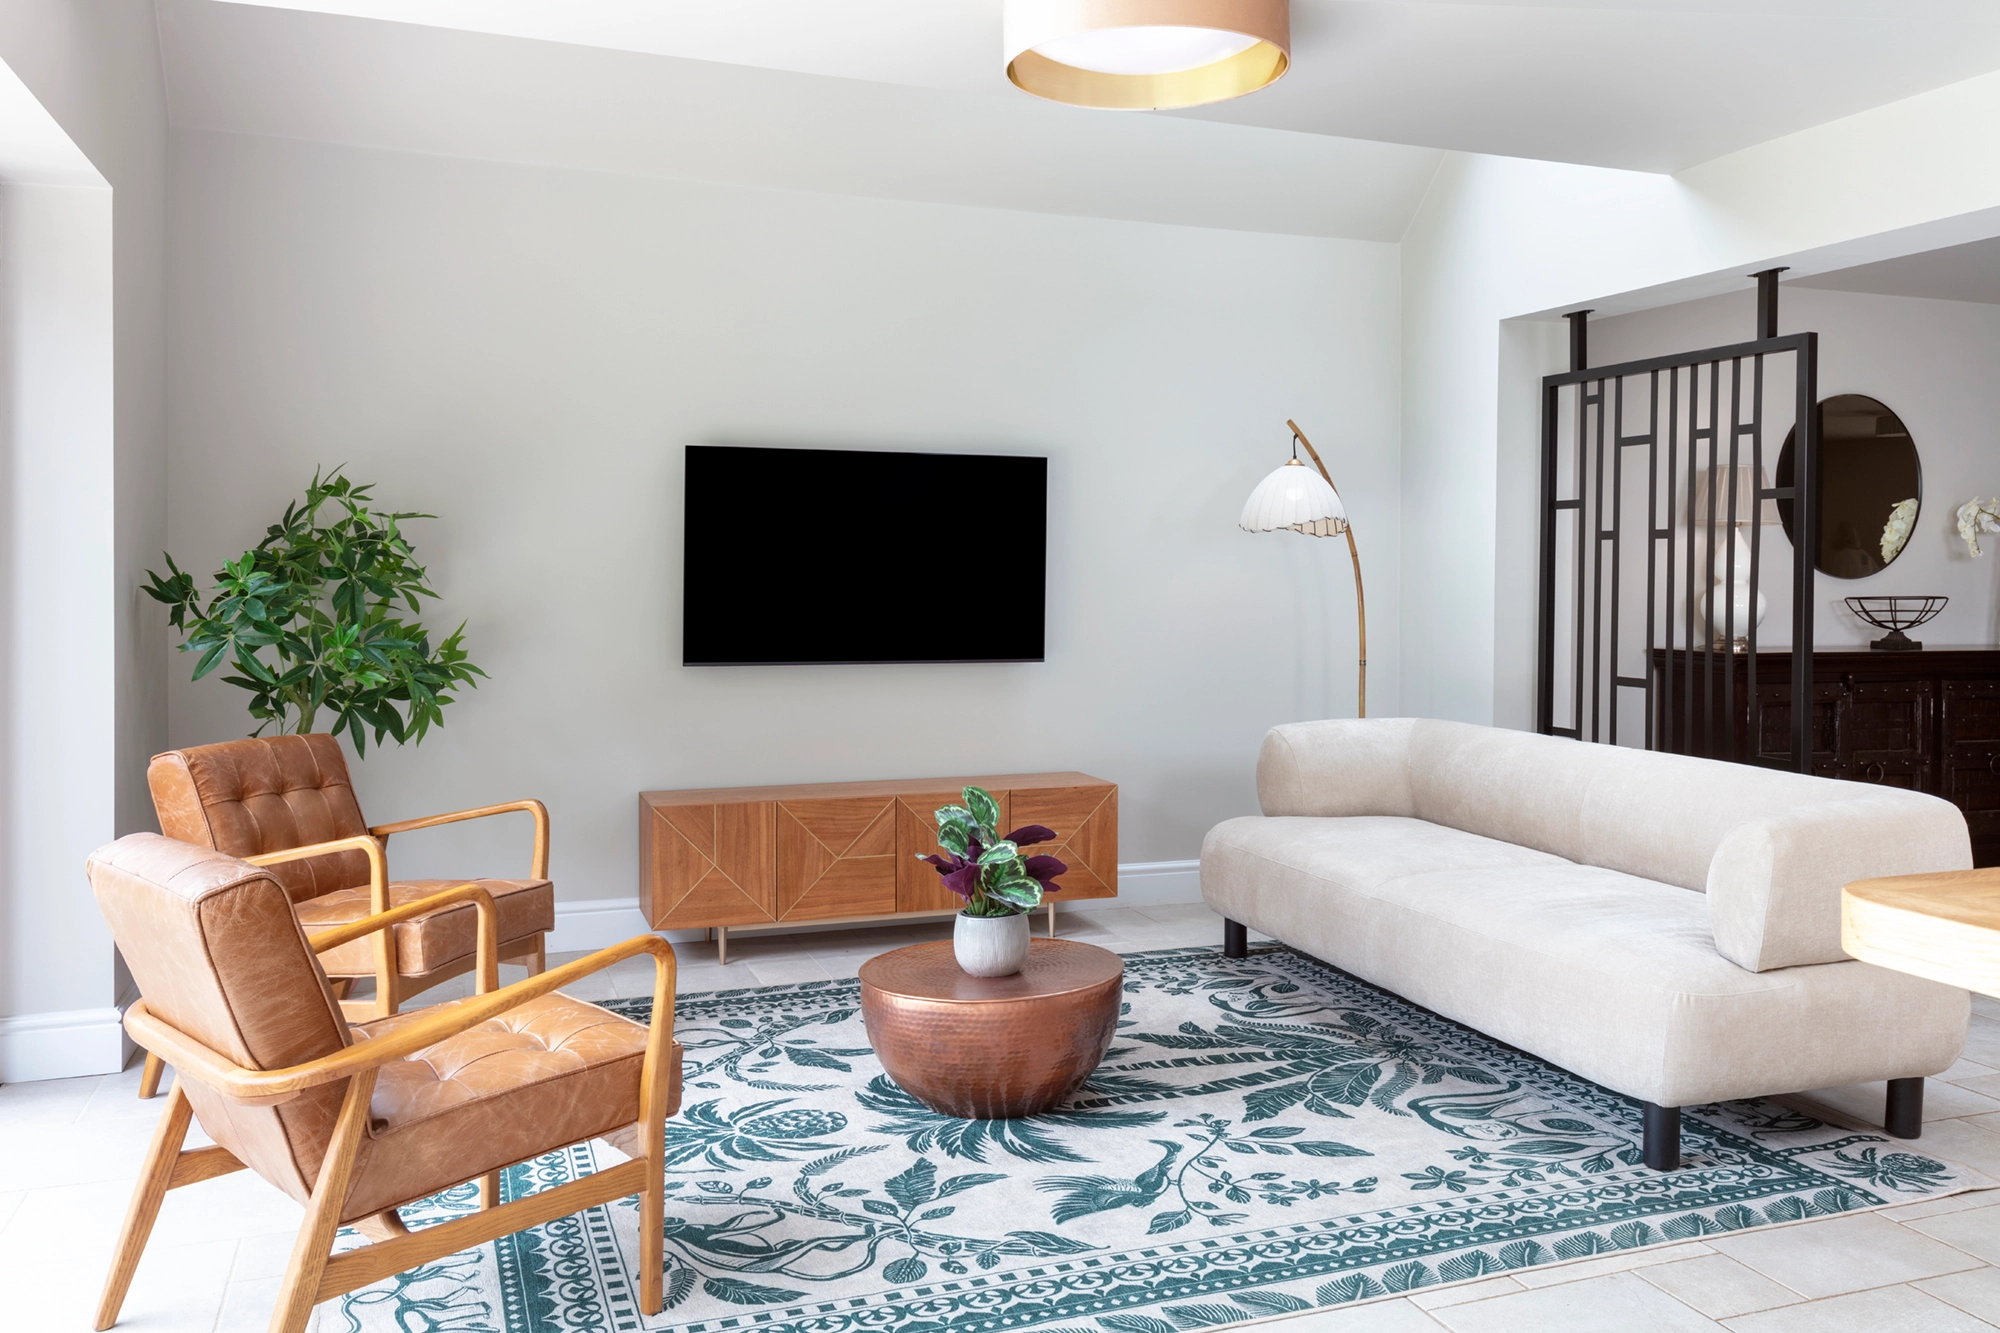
1295	498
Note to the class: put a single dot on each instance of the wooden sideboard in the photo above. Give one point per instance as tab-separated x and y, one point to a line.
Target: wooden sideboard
764	857
1926	720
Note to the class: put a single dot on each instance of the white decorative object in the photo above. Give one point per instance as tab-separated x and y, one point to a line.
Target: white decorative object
1896	531
1727	608
1976	516
990	946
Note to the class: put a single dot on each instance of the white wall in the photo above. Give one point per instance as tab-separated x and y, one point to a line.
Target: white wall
1505	239
1932	363
85	504
526	352
58	661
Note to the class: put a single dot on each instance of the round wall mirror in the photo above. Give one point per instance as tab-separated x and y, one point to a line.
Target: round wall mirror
1868	467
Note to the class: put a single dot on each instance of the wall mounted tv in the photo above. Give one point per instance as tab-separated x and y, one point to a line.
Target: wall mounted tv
799	556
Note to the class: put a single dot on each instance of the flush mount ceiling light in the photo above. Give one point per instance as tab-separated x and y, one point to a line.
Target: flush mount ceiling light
1146	55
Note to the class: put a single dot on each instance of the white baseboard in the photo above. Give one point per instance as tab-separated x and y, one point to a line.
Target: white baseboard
594	923
1146	884
67	1044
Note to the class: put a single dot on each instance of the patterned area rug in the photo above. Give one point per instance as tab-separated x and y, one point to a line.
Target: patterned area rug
1267	1135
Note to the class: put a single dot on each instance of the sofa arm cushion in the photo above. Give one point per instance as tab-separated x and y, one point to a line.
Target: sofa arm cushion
1337	767
1774	885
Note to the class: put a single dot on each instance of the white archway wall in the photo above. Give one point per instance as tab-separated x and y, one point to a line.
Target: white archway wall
1501	239
82	504
57	668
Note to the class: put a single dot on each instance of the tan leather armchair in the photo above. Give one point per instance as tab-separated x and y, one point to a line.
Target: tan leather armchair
286	802
354	1121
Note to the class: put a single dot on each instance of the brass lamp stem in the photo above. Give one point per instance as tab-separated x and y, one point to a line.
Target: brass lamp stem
1354	554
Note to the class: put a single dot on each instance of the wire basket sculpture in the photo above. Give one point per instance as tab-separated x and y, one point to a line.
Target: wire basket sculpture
1896	614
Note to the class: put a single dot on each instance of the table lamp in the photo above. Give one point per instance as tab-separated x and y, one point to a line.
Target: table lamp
1296	499
1729	605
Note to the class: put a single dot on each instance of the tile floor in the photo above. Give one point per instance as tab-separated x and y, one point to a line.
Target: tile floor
74	1147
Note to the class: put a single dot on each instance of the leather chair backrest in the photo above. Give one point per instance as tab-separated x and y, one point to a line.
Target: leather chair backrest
218	953
265	794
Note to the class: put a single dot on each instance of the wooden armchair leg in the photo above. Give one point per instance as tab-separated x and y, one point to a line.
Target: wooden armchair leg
314	1246
149	1077
653	1223
489	1190
154	1179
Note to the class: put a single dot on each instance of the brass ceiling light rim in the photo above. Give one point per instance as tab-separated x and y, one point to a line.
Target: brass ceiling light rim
1247	72
1031	23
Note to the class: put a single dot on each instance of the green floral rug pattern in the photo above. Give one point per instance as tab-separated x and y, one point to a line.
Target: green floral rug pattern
1267	1135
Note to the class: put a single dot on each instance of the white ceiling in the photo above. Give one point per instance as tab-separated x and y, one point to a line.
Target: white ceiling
302	75
1643	84
1956	273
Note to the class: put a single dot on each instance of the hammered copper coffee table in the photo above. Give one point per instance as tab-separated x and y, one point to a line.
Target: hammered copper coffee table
991	1048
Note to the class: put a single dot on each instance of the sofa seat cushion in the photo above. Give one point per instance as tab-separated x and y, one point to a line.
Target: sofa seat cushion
548	1072
1609	975
435	939
1364	851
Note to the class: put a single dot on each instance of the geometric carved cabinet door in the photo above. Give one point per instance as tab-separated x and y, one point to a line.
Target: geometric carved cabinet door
709	864
1085	820
919	888
836	857
758	856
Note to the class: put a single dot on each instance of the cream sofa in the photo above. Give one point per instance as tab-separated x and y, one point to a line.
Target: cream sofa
1665	926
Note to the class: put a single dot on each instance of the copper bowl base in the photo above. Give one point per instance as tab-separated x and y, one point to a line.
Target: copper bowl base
992	1048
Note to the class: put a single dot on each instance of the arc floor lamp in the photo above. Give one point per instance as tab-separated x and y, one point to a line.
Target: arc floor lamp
1294	499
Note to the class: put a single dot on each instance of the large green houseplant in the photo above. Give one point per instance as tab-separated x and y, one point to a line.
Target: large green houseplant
310	621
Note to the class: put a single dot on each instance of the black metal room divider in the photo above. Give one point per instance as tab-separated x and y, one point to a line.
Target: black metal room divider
1656	487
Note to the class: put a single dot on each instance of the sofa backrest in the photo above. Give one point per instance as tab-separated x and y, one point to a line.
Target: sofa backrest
1770	848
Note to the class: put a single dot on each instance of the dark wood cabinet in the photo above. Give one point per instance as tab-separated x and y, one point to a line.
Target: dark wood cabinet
1928	721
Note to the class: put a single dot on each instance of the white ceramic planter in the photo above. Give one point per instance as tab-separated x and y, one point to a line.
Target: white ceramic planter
990	946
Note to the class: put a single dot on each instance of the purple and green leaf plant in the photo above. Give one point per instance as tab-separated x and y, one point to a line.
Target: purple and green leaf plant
987	870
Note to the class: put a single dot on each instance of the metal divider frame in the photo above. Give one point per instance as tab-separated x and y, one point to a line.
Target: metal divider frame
1600	393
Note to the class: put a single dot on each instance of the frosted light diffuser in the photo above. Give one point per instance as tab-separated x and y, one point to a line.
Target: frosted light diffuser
1146	54
1161	50
1295	498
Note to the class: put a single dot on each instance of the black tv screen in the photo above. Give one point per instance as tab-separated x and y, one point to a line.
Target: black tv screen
845	555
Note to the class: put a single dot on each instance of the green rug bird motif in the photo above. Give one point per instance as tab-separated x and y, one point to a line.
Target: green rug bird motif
1266	1135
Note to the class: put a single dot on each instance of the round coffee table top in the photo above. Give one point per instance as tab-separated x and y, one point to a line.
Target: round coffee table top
930	972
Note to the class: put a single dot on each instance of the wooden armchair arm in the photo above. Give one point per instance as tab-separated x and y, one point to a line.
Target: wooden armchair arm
269	1087
538	866
487	941
378	863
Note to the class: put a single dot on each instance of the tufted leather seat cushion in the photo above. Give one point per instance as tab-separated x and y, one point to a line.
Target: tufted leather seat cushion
550	1072
425	943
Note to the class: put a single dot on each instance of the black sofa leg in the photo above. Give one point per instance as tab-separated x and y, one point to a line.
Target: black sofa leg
1663	1136
1903	1117
1235	939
